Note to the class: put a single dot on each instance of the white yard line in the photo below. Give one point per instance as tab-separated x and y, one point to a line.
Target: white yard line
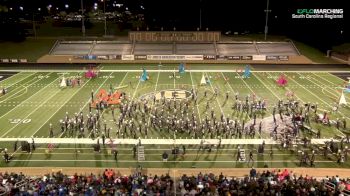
157	154
137	86
22	86
324	79
288	89
60	107
154	149
245	83
256	76
180	161
88	101
222	111
174	79
19	147
47	99
194	89
120	84
170	71
319	97
301	100
154	94
326	89
314	93
321	100
2	81
233	91
28	98
336	77
155	141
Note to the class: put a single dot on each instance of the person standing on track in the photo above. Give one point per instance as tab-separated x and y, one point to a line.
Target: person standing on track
50	131
251	158
33	144
15	146
115	152
312	159
238	154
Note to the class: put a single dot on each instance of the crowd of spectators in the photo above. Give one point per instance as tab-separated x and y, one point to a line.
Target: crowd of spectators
108	183
274	182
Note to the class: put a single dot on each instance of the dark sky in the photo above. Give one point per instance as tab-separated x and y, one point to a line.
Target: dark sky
249	15
223	15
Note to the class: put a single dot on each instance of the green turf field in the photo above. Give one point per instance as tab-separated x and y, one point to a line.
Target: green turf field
35	100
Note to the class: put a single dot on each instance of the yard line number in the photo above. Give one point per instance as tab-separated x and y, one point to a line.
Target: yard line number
18	120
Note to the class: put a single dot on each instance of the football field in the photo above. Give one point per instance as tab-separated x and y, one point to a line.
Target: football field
35	99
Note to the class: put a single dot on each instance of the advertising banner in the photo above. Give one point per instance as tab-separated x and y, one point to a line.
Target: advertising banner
233	57
259	57
246	57
127	57
102	57
209	57
283	58
140	57
271	57
175	57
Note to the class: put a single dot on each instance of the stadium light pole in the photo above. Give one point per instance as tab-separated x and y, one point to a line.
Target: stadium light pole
34	26
104	13
82	18
267	17
200	14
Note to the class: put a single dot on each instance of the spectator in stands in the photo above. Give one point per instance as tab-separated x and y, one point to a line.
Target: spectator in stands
275	182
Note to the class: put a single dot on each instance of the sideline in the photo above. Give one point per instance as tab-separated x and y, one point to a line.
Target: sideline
230	172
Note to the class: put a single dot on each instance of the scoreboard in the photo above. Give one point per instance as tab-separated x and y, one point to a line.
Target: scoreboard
174	36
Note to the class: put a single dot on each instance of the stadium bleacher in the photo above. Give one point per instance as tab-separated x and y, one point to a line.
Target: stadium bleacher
144	48
111	182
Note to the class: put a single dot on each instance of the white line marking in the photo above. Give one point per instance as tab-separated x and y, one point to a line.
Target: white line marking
22	86
155	90
222	112
25	101
171	70
32	111
256	76
194	89
16	83
60	107
180	161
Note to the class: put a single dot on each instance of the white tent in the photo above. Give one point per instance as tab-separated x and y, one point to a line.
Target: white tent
342	100
63	83
203	81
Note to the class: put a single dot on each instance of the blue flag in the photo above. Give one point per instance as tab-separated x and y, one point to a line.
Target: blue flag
207	80
246	72
144	75
181	68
